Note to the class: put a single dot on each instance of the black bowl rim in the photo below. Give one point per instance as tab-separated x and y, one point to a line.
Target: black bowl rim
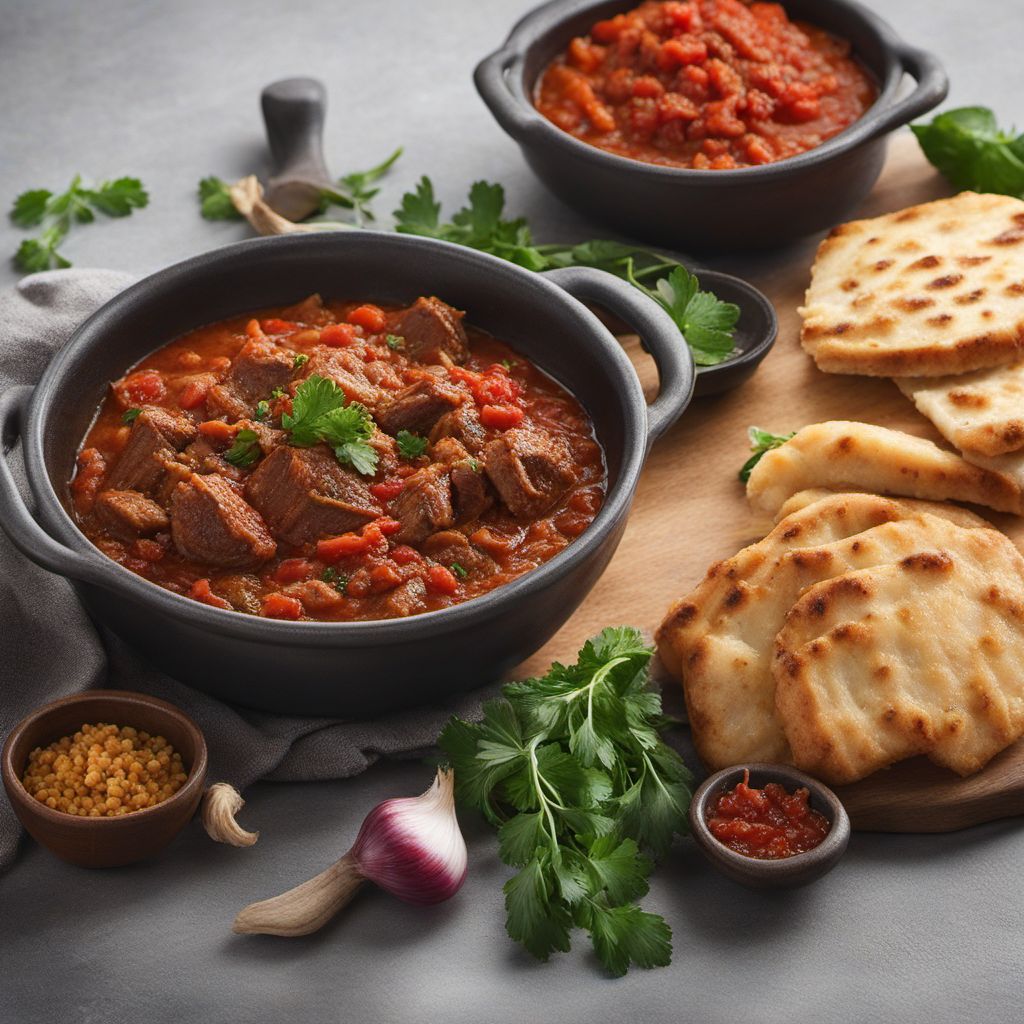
829	849
523	36
196	772
359	633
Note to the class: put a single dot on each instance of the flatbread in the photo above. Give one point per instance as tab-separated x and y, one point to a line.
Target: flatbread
845	455
954	513
719	639
931	290
981	413
919	657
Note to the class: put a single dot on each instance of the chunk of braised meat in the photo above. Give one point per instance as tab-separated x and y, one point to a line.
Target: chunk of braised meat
419	406
243	591
310	310
453	547
384	374
211	523
431	329
259	367
387	452
464	425
530	469
129	515
315	595
156	436
303	494
408	598
424	505
347	369
471	494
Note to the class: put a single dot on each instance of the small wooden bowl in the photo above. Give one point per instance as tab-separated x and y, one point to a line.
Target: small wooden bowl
771	874
105	842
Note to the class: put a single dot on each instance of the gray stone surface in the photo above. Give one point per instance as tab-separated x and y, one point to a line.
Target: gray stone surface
917	929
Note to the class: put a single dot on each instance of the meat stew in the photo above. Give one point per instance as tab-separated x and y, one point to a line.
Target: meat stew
337	461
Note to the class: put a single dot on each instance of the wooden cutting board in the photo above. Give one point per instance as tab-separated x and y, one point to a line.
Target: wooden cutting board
690	510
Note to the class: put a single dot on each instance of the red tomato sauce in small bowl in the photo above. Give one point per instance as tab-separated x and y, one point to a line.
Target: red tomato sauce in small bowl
705	84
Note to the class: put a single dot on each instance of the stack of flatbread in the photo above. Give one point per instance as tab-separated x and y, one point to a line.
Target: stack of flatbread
933	296
861	631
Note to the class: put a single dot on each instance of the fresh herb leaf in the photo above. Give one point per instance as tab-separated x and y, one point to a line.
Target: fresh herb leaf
706	323
459	570
355	187
761	441
322	413
278	392
262	409
130	415
215	200
410	445
968	147
246	449
56	213
300	360
336	579
394	342
571	770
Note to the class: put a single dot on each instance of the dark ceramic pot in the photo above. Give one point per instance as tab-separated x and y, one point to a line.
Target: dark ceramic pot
344	668
746	208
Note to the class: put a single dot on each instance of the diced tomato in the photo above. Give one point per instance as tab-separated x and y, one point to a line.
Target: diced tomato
501	417
442	580
387	489
333	548
291	570
493	387
369	317
193	394
610	30
387	526
384	577
139	388
281	606
92	467
273	325
339	335
402	554
201	592
674	53
217	430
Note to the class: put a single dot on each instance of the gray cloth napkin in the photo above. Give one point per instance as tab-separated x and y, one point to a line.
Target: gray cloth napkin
50	648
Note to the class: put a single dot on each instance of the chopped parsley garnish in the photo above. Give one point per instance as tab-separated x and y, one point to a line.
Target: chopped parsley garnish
394	342
300	360
474	464
58	212
246	449
215	200
336	579
571	770
761	441
459	570
321	412
130	415
262	409
706	323
410	445
277	393
506	364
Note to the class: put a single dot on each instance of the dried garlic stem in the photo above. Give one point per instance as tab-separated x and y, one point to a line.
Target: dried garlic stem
247	197
220	805
305	908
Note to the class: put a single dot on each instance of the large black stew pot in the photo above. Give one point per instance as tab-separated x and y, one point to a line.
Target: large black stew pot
357	668
746	208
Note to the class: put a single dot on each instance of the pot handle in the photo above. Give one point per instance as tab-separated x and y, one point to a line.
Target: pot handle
932	87
658	335
15	518
491	83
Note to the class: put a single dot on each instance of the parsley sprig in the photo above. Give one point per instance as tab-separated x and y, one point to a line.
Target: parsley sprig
57	212
761	441
410	445
321	412
572	771
245	450
706	323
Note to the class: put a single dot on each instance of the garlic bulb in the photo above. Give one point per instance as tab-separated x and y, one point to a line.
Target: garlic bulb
411	847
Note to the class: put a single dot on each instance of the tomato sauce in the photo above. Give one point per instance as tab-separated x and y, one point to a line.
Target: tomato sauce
767	824
706	84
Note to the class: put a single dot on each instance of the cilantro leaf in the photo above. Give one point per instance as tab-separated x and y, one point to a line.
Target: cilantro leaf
356	186
119	197
420	212
625	935
540	923
761	441
30	207
410	445
322	413
215	200
245	450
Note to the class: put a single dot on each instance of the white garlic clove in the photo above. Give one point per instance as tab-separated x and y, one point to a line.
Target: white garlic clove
247	197
220	805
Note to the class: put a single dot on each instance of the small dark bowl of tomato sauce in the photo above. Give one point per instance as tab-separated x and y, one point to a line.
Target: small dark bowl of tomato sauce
769	826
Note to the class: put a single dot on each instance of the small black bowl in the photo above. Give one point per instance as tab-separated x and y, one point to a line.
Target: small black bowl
771	874
747	208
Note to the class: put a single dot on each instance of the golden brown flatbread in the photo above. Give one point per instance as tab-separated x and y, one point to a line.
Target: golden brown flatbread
930	290
954	513
845	455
